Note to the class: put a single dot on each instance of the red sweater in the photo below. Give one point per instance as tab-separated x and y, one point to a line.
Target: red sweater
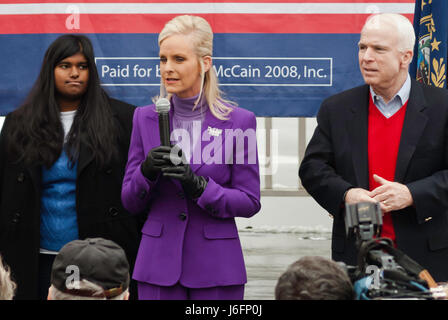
384	136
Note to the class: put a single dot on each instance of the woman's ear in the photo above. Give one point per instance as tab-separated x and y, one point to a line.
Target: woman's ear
207	63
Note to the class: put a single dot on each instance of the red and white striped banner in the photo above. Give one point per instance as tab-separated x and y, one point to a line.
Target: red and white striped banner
228	16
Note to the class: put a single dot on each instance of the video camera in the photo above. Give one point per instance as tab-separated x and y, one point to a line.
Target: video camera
383	272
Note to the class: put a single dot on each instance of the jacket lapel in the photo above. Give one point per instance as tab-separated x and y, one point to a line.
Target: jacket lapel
358	134
85	154
35	172
414	124
213	136
85	158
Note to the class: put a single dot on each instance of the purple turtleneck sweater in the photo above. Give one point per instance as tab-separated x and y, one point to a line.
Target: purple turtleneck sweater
185	118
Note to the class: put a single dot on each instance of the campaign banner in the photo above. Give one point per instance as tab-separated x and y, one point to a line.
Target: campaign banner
277	59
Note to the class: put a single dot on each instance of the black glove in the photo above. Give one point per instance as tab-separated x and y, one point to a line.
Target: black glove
192	184
155	161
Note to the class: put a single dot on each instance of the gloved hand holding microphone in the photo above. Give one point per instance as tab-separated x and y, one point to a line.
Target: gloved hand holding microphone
171	162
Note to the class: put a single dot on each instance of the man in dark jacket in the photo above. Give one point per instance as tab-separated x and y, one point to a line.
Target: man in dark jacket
385	142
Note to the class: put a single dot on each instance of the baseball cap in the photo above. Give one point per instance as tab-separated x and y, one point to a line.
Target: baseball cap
100	261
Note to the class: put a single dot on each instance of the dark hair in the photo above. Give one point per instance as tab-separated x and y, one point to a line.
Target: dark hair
36	135
314	278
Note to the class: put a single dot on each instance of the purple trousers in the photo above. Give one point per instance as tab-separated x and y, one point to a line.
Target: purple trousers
148	291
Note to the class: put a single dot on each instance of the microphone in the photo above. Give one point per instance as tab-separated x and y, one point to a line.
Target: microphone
163	108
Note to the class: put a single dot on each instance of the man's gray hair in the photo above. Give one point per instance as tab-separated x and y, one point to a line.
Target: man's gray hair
405	29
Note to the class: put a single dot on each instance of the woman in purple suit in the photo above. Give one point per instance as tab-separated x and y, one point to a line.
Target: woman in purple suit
190	247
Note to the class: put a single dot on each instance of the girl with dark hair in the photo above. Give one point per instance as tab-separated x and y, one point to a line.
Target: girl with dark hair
62	159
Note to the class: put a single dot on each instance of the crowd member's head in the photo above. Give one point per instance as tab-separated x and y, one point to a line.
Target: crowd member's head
186	49
90	269
7	285
314	278
385	52
68	80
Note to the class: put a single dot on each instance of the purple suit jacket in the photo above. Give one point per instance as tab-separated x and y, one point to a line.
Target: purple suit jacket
196	242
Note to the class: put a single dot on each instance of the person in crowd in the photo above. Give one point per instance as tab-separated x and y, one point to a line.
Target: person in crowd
62	160
7	285
385	142
193	189
90	269
314	278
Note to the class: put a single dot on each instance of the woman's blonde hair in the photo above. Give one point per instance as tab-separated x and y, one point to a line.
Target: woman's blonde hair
201	35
